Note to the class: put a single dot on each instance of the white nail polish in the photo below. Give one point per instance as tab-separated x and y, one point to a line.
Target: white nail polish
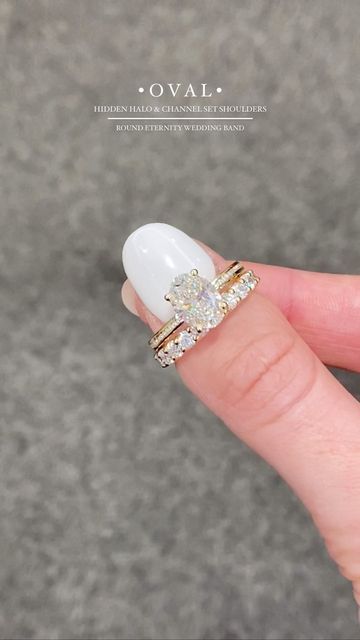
153	255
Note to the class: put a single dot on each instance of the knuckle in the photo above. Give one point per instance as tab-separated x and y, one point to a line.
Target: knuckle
263	380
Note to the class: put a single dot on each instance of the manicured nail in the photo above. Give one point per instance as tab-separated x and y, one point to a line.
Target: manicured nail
128	297
153	255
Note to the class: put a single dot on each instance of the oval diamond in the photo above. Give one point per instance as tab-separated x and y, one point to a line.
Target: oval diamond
196	301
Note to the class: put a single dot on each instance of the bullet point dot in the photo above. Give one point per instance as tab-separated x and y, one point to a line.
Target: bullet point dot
141	89
219	89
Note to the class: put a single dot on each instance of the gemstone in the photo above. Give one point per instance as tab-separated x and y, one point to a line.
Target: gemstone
163	358
173	350
231	299
241	290
196	301
250	279
185	288
186	340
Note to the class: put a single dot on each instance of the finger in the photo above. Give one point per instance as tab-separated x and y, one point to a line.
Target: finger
133	303
257	374
323	308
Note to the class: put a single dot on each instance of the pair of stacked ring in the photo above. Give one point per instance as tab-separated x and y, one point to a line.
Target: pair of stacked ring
201	305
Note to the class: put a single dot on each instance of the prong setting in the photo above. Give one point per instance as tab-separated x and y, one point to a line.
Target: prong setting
224	306
201	305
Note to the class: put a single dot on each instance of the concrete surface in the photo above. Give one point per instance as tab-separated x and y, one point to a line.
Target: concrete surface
127	510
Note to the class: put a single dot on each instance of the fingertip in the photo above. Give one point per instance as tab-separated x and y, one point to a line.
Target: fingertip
133	304
128	297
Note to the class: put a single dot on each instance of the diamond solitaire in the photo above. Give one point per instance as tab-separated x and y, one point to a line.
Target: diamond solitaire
196	301
202	305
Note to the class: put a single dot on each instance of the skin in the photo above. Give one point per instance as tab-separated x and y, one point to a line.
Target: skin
262	371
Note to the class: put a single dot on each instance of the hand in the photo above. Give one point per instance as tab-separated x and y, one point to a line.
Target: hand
261	371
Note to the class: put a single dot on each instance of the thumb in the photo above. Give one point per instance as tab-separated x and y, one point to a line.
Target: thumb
263	381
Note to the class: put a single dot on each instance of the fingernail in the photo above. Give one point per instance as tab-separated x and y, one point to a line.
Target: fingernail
128	297
153	255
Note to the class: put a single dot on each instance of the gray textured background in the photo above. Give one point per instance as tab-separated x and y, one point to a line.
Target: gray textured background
127	510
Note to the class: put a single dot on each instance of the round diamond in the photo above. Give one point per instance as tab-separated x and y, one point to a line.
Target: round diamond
241	289
163	358
173	350
186	340
231	299
250	280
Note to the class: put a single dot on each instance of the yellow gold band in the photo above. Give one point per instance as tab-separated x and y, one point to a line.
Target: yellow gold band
239	284
226	277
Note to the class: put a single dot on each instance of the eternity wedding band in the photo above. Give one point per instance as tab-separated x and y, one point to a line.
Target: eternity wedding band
201	305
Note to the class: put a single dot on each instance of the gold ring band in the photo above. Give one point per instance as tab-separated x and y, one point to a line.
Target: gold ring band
224	278
239	284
